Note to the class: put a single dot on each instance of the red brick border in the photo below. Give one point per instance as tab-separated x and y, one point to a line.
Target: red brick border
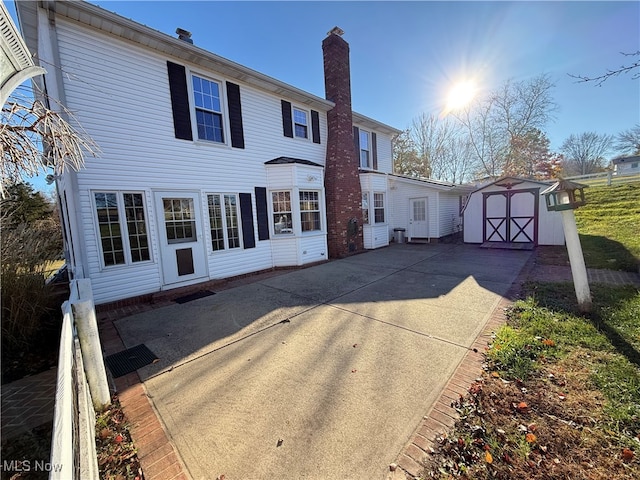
158	458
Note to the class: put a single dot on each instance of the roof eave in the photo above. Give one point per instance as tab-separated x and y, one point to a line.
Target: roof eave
99	19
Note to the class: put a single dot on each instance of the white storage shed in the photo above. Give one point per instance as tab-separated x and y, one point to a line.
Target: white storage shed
511	211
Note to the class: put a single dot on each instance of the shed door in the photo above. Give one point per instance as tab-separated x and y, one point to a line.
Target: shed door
181	239
511	216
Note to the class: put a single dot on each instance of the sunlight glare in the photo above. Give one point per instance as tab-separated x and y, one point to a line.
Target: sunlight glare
460	95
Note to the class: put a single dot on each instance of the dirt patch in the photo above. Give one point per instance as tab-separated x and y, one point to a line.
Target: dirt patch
552	426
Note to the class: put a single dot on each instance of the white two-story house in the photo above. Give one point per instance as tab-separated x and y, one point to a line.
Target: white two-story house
207	169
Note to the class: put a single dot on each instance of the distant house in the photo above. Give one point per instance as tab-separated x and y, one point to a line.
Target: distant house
511	211
626	165
209	169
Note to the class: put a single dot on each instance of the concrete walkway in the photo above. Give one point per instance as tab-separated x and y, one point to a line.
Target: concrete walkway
318	373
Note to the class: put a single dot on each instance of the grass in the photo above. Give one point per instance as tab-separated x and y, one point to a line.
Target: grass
560	397
609	226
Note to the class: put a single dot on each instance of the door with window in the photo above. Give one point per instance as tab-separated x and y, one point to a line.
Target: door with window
418	218
182	248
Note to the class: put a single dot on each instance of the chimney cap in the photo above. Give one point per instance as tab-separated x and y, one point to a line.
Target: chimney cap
184	35
336	31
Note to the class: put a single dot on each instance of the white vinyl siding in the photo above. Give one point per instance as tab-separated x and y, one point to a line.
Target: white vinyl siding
140	153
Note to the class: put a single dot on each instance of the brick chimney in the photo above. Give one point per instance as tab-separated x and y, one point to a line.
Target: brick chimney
341	180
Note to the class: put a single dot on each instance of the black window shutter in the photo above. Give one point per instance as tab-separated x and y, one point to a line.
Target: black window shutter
315	126
356	142
374	150
287	121
179	101
246	212
235	115
262	213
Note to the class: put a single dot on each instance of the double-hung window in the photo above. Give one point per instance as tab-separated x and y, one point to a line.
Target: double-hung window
300	123
208	109
365	155
365	208
223	220
310	211
282	212
122	227
378	207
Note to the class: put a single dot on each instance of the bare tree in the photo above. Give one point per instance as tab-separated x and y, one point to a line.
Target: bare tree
433	148
585	153
628	142
404	154
492	123
35	139
623	69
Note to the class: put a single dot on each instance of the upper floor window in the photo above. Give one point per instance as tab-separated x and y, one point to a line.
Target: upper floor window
365	154
208	108
300	123
122	227
223	220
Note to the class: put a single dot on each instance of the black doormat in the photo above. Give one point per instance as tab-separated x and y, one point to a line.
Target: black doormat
194	296
129	360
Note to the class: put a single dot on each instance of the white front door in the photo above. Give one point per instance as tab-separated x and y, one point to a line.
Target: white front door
182	249
418	218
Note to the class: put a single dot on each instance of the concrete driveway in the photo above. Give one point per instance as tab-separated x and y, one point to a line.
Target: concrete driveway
320	373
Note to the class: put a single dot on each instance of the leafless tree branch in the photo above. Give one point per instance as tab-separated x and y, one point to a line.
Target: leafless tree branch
624	69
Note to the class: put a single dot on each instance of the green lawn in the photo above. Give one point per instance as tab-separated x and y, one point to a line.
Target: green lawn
609	227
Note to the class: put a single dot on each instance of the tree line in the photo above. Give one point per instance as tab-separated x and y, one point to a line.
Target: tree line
500	134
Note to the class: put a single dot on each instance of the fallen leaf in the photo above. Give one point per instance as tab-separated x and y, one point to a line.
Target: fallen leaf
532	427
118	438
521	407
548	342
627	454
530	437
488	457
495	374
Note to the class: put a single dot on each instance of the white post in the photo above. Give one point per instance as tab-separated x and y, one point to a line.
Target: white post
85	317
576	258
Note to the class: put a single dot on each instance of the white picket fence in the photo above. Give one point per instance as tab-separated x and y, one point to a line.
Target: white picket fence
73	448
605	178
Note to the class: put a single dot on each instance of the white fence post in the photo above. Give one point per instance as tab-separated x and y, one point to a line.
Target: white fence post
62	441
87	326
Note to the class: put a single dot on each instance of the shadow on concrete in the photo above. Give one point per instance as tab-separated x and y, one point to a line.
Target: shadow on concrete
452	282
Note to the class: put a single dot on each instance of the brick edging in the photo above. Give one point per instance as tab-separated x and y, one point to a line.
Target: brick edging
158	458
443	416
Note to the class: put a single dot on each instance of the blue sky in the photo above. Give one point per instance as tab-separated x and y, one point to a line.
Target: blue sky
405	55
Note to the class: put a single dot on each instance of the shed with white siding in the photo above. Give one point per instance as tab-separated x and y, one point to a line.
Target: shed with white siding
510	211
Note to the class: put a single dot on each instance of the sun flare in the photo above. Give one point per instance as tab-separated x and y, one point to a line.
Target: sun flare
460	95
